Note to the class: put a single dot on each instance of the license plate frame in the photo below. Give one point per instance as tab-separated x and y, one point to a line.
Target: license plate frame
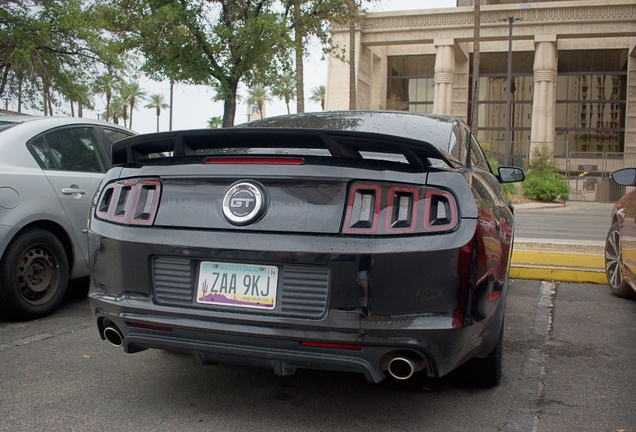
237	285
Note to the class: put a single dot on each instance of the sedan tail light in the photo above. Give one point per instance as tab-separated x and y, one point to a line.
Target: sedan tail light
390	209
130	202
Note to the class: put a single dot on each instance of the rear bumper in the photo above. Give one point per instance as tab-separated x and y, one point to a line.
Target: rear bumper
440	347
413	298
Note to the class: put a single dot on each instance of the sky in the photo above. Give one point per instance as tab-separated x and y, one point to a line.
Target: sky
193	105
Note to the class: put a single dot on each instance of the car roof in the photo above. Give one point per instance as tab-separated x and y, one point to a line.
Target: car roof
53	121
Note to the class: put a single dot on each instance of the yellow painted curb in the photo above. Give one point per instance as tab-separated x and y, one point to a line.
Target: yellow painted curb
558	259
558	274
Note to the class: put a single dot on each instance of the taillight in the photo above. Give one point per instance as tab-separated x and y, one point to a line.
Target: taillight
402	209
390	209
440	211
363	208
130	202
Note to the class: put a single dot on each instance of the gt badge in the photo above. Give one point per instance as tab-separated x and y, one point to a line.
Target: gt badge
244	202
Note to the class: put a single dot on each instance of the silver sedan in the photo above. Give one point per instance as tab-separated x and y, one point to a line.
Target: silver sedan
50	168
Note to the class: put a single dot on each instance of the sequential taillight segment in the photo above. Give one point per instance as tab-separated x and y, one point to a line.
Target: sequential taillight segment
130	202
389	209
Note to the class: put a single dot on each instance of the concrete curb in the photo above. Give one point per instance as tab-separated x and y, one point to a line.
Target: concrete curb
558	266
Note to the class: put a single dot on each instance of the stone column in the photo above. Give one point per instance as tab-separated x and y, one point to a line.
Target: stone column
444	76
379	77
630	115
544	103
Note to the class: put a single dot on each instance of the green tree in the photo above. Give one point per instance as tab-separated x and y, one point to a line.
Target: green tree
157	101
258	95
318	95
215	122
117	108
310	19
131	93
48	48
284	89
106	84
218	43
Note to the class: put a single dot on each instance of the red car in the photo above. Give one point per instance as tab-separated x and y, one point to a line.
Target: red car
620	246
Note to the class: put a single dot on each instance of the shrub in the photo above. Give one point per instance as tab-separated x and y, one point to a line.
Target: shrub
546	187
542	161
543	182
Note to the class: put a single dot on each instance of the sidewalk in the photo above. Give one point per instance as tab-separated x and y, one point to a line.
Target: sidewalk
577	255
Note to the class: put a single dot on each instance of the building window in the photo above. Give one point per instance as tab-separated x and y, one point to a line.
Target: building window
410	84
591	101
497	2
493	85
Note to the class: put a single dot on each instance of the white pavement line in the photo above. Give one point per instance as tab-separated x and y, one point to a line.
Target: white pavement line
523	414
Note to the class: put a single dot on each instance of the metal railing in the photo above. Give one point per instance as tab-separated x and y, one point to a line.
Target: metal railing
587	173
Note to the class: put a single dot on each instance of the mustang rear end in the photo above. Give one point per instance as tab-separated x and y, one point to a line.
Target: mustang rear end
289	248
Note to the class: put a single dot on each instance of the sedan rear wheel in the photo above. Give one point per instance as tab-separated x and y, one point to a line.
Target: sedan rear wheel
614	264
34	274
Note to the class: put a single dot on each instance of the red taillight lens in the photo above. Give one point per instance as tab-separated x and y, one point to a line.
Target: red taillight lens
440	211
331	345
255	160
402	209
363	209
389	209
131	202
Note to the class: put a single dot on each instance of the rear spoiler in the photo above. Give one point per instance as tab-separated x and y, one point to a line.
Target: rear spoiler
339	144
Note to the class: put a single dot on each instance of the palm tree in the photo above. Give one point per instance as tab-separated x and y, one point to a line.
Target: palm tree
318	95
157	101
258	95
116	109
285	89
215	122
104	84
132	93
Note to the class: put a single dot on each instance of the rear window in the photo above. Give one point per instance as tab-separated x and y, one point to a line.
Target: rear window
392	157
4	125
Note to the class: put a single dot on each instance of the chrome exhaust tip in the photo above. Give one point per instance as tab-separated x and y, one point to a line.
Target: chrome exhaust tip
113	335
402	367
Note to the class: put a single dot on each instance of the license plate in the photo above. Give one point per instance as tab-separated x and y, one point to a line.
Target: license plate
240	285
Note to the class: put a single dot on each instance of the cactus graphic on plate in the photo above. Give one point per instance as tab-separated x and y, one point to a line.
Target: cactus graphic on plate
204	288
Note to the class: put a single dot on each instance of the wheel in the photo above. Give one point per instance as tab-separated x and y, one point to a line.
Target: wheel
33	275
614	265
486	372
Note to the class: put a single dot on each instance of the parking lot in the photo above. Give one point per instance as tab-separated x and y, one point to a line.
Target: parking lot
569	353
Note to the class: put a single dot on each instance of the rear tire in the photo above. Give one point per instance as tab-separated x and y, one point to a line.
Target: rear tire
614	264
34	273
486	372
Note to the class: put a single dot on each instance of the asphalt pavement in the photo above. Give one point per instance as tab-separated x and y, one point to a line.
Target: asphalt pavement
568	365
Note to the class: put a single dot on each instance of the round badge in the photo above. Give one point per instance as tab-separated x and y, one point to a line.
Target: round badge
243	203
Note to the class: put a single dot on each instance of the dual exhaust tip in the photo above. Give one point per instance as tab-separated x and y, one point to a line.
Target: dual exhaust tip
401	367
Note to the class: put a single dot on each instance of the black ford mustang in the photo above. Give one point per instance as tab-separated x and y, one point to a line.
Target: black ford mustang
370	242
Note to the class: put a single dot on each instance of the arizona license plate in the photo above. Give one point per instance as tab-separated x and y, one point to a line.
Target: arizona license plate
241	285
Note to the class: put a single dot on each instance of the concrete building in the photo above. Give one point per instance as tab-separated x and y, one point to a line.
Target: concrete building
573	70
